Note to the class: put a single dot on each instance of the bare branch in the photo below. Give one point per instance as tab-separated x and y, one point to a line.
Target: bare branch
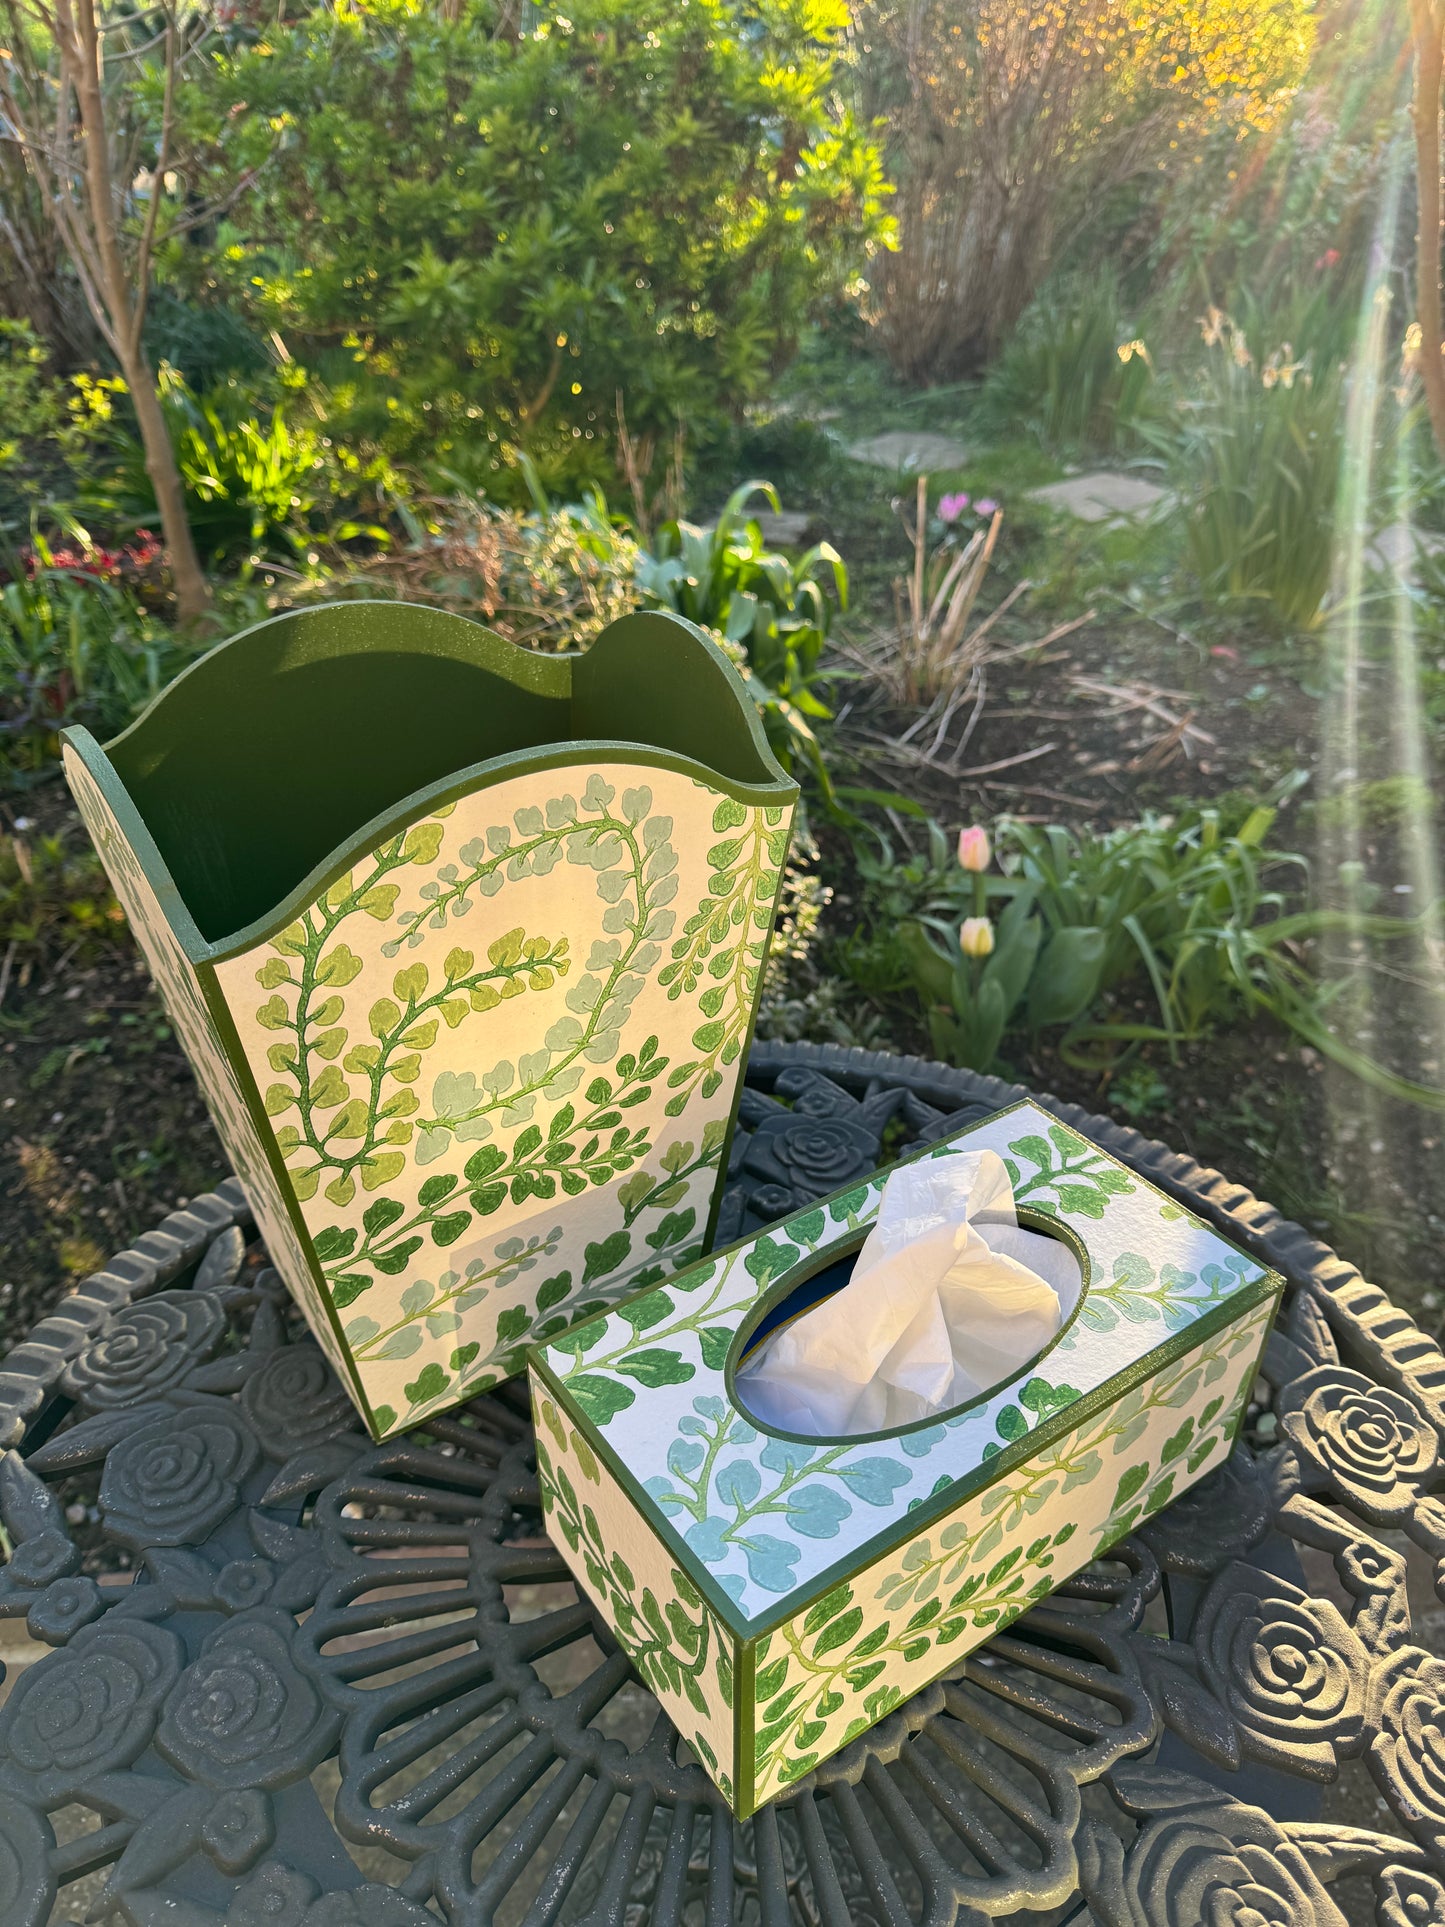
146	243
76	133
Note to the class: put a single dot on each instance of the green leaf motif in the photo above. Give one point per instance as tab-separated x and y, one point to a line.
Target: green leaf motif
599	1397
653	1367
648	1310
429	1383
839	1632
606	1256
716	1342
1130	1483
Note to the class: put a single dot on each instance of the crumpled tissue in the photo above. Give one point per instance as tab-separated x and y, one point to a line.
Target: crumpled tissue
950	1296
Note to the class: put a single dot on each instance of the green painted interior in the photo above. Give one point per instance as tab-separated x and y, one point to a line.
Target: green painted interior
279	745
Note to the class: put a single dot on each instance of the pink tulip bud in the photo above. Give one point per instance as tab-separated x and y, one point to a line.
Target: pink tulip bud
975	938
973	847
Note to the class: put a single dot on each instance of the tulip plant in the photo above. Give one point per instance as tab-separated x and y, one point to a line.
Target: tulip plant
973	989
1177	907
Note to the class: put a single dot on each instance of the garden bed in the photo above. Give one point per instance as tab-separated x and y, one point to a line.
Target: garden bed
101	1128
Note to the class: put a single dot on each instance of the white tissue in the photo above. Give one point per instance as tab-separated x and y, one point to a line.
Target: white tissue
949	1297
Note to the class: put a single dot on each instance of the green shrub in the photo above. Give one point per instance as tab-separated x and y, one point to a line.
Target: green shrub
259	479
32	400
1298	205
204	344
480	236
34	415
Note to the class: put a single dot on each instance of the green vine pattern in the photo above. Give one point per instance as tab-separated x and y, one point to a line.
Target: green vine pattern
417	1146
726	940
1171	1296
824	1677
1081	1177
763	1513
180	993
766	1517
434	1311
666	1630
597	1379
635	865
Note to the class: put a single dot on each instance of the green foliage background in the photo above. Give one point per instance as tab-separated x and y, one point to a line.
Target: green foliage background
483	235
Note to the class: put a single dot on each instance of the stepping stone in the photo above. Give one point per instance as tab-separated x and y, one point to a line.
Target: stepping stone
786	529
1394	549
910	451
1105	496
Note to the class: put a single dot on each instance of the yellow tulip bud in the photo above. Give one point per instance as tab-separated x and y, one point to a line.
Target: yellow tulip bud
975	938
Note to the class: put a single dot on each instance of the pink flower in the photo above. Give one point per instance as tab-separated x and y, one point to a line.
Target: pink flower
950	507
973	847
975	937
1329	259
986	506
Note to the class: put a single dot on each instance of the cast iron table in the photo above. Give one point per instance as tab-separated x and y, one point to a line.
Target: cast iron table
346	1685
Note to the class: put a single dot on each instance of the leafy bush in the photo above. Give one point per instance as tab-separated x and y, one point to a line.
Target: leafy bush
1304	207
1178	907
74	648
1258	458
548	577
255	482
1075	373
32	401
37	422
204	344
503	229
776	611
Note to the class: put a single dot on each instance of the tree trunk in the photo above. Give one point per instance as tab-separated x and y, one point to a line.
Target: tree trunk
1426	26
125	311
193	592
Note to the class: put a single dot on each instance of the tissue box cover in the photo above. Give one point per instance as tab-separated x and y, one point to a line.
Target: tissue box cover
780	1595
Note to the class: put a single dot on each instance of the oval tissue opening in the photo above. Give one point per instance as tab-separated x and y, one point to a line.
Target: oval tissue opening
809	1285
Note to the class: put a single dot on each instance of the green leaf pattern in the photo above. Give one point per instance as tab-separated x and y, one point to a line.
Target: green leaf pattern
498	1058
874	1640
660	1619
766	1515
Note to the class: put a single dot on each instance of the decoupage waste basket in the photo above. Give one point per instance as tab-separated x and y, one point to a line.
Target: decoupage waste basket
464	943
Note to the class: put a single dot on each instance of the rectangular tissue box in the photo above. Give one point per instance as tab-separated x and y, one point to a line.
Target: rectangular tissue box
780	1595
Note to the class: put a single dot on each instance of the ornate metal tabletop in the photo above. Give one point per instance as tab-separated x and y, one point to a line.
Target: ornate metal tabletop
299	1680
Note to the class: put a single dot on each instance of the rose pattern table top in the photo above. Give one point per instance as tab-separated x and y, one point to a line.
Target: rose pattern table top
346	1685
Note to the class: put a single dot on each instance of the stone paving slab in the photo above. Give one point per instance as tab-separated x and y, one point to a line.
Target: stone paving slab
1105	496
1394	550
911	451
786	528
